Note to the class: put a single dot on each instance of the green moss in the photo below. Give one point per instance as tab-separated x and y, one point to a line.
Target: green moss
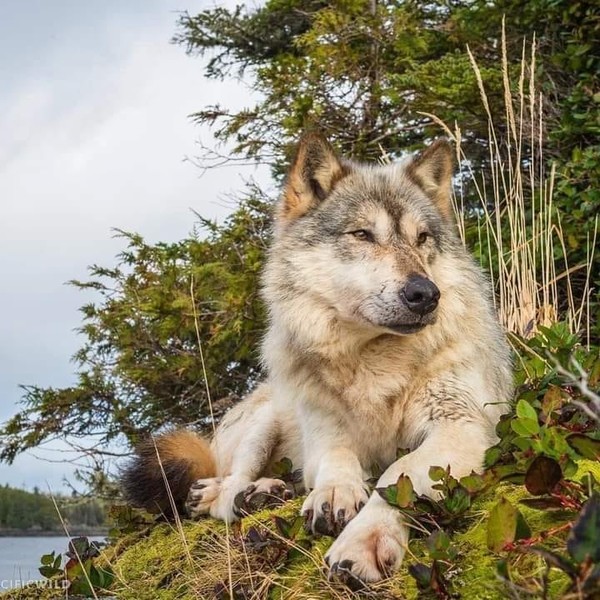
585	466
191	561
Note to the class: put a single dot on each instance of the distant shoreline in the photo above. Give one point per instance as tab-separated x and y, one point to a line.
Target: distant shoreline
58	533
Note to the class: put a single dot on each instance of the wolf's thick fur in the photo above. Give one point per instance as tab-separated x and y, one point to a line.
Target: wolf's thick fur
381	336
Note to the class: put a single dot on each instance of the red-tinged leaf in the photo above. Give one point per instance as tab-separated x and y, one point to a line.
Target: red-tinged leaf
542	476
542	503
553	400
438	582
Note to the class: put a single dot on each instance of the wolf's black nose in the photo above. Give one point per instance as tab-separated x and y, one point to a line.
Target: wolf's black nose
420	294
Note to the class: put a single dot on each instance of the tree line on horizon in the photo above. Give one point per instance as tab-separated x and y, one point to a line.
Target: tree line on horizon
34	511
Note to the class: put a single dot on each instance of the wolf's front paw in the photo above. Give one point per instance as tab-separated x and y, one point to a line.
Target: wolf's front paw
229	498
369	549
215	497
327	509
201	496
263	493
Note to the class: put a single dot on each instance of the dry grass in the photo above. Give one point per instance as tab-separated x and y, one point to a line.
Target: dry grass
519	227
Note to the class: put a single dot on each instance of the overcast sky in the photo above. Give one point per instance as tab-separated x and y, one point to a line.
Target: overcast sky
94	130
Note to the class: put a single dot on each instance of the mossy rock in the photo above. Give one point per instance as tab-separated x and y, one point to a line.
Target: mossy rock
251	559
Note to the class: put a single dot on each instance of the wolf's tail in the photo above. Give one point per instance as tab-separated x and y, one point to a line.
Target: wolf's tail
164	467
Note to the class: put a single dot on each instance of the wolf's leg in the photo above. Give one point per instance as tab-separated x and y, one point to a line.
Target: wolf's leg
244	446
372	546
333	471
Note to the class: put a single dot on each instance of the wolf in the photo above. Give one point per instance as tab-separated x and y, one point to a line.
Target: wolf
381	335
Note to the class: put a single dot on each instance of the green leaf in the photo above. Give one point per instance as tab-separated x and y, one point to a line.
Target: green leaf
492	455
405	494
503	570
585	445
542	476
458	501
473	483
584	539
47	559
526	411
525	427
502	473
289	529
282	526
438	545
436	473
523	530
100	578
388	494
49	572
553	441
400	494
282	467
296	527
78	547
523	443
421	574
505	524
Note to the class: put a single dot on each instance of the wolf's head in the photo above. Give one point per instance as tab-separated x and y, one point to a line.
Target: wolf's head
363	241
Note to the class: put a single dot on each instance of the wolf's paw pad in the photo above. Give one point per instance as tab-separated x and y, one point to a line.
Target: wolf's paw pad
263	493
327	509
364	554
201	496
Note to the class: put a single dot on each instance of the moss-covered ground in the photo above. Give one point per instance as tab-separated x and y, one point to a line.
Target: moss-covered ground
253	559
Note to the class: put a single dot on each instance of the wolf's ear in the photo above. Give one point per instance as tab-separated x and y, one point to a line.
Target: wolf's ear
432	171
314	173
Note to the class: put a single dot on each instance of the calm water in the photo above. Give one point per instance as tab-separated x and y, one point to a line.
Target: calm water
20	557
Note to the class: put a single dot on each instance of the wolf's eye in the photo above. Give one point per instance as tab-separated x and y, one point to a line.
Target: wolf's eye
363	235
422	238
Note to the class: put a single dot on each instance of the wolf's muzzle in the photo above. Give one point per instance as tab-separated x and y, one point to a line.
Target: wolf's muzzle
420	295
